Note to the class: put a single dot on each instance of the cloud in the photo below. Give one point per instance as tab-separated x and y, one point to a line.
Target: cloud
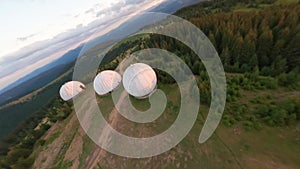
26	37
121	7
129	2
39	54
90	11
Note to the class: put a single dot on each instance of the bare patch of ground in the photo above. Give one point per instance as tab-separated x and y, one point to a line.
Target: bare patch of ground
75	149
49	157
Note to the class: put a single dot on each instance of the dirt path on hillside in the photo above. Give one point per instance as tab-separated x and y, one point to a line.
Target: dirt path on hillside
52	153
112	121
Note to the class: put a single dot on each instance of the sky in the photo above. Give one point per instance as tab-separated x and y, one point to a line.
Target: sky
27	21
36	32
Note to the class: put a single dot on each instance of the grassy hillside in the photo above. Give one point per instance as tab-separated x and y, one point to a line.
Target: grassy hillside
237	146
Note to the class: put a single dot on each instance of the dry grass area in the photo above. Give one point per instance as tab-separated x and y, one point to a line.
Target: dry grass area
230	147
67	146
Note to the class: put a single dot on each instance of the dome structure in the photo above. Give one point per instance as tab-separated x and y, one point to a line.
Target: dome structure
139	80
106	81
71	89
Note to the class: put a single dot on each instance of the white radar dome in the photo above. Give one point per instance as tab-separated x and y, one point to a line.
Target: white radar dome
71	89
106	81
139	80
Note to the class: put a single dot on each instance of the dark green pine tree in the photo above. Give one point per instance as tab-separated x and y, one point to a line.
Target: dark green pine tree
236	50
292	52
264	46
225	57
247	51
253	62
279	65
212	39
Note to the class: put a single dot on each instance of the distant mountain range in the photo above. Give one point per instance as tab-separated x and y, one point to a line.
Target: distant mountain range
39	77
48	73
171	6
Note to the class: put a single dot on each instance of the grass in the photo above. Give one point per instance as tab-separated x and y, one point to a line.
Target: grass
141	105
246	8
260	148
52	138
57	133
60	157
88	147
129	39
280	2
265	148
225	149
66	164
106	105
